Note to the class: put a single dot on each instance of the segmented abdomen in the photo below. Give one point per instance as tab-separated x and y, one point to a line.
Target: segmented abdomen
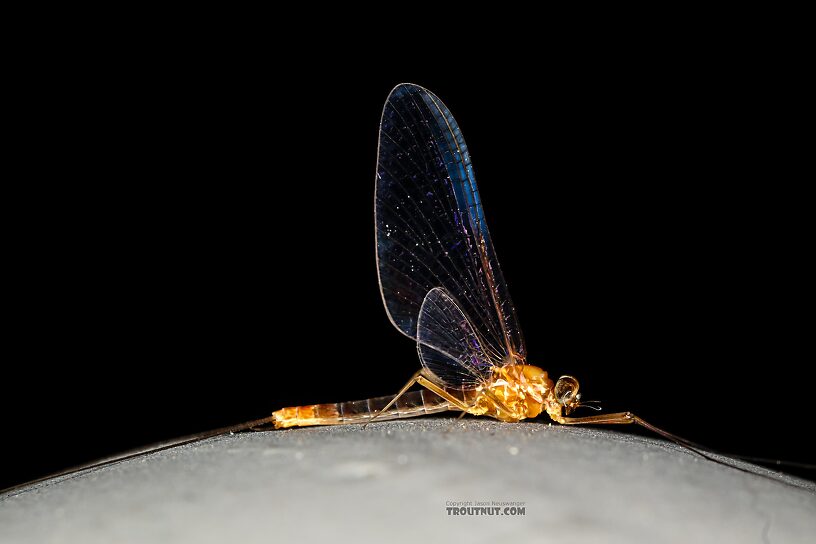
411	404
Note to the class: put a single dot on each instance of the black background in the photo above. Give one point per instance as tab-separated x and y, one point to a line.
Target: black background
195	243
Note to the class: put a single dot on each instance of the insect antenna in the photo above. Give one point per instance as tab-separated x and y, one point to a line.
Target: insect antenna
591	404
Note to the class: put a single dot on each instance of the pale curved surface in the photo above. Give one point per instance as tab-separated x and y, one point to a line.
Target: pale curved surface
390	481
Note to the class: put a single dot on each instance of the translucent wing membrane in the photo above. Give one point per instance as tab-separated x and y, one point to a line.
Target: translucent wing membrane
431	230
448	344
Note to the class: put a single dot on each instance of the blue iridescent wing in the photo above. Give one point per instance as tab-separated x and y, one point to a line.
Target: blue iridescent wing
430	225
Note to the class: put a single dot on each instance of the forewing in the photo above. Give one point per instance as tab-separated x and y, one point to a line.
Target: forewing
430	224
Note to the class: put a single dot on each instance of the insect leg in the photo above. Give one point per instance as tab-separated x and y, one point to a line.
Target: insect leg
493	398
402	391
618	418
498	402
428	384
628	417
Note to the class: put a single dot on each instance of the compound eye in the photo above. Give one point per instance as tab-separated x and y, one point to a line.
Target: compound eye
566	389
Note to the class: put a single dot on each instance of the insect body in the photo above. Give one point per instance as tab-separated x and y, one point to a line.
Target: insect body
442	285
516	392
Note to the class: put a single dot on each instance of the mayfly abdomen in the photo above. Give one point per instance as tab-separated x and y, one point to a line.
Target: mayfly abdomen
411	404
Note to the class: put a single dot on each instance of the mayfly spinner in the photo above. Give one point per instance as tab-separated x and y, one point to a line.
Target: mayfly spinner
442	287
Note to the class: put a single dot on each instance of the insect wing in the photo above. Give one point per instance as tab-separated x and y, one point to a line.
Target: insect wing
430	226
448	345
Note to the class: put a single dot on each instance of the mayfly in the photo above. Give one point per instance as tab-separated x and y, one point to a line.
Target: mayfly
442	287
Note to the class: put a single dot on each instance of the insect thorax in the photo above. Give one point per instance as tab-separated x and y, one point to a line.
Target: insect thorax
525	390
